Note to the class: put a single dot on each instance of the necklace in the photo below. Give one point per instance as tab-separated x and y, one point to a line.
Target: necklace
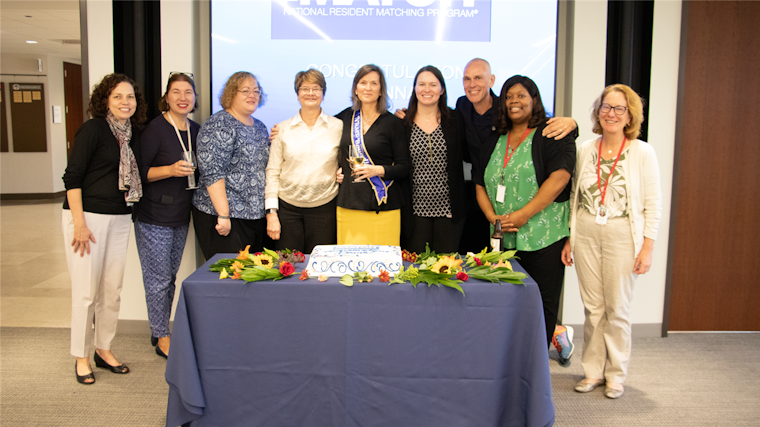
368	120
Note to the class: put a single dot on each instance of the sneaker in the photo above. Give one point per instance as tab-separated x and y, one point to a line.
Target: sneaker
563	342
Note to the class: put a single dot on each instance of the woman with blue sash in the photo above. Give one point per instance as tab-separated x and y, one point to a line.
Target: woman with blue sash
371	197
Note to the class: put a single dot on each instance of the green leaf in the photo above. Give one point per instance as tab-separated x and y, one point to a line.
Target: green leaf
347	280
275	256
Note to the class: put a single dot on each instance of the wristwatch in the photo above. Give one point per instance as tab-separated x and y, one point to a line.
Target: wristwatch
271	210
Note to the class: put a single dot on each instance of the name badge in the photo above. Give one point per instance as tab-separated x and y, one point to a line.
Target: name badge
601	215
500	192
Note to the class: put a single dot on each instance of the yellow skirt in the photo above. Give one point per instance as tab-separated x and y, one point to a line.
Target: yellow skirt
368	228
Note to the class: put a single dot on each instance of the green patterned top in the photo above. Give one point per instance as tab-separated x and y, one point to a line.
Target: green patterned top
616	198
546	227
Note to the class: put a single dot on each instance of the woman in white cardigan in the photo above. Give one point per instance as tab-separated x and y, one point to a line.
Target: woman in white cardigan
616	208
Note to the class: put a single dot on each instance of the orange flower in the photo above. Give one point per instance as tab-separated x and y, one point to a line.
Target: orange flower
244	253
384	276
236	275
503	264
304	275
237	266
322	277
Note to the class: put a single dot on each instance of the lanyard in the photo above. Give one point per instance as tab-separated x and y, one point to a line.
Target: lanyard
189	138
599	169
507	154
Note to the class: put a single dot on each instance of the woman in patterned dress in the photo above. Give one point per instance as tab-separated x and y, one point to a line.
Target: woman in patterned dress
433	212
616	208
526	185
233	151
162	217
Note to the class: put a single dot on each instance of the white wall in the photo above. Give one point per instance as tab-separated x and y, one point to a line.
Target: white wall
30	173
588	71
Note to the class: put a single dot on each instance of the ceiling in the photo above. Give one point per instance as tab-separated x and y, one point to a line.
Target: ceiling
54	25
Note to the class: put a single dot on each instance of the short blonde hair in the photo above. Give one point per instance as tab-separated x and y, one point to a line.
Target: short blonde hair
635	109
229	91
311	75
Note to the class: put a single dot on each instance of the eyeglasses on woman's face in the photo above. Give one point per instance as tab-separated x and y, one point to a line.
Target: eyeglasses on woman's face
619	109
315	90
248	92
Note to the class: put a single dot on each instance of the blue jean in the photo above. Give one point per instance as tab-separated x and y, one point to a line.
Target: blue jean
160	249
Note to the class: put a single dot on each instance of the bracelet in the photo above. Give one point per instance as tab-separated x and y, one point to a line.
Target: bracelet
222	217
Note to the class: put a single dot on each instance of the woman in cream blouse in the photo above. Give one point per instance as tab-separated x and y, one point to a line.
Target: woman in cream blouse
616	209
301	186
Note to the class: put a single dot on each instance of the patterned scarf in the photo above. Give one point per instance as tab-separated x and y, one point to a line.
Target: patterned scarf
129	175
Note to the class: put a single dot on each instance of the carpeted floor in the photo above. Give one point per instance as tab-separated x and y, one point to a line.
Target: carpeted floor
683	380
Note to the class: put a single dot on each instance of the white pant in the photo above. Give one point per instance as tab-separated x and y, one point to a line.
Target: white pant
96	279
604	258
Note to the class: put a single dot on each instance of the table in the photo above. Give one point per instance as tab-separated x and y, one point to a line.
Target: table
318	354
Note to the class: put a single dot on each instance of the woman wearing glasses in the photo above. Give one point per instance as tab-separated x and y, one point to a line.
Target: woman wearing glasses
301	187
233	150
616	208
163	215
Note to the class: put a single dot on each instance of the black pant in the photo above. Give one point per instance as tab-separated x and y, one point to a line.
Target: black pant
477	229
304	228
442	234
546	268
243	232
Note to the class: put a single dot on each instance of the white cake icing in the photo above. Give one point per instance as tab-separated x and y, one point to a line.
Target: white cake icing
338	260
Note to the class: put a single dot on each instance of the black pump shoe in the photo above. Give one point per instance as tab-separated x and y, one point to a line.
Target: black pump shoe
100	363
161	353
153	340
81	379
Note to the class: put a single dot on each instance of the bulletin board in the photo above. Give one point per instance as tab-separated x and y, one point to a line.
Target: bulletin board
29	127
3	121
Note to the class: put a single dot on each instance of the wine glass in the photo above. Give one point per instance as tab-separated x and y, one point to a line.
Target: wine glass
356	158
189	157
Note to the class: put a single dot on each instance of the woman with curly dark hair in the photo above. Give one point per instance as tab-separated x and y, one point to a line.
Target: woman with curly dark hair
102	182
525	183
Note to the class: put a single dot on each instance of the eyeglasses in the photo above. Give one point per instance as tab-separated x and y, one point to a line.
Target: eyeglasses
619	110
247	92
171	73
315	90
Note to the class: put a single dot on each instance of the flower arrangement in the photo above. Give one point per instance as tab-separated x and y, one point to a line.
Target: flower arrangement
428	267
255	267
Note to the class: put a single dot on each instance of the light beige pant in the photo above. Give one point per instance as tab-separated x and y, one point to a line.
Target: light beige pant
604	258
96	279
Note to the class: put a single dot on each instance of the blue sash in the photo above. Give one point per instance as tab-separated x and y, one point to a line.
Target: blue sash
379	186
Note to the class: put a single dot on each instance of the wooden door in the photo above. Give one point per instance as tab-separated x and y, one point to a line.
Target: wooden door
72	87
714	284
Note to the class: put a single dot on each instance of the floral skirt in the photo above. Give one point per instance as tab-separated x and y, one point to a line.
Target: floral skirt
357	227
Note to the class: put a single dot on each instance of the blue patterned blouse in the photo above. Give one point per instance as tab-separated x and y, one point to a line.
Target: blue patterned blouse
230	150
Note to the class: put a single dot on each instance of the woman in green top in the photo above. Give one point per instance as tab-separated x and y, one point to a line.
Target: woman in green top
526	184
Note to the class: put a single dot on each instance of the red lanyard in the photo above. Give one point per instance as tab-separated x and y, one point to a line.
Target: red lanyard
599	169
507	154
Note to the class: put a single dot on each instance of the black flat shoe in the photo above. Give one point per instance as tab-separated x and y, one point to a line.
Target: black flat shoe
81	379
100	363
153	341
161	353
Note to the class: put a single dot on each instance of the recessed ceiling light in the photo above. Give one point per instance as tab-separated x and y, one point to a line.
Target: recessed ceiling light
31	41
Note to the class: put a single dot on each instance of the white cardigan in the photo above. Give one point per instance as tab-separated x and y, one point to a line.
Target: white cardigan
642	183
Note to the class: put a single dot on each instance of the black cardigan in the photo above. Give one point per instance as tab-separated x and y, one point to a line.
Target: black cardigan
94	167
453	134
549	155
387	146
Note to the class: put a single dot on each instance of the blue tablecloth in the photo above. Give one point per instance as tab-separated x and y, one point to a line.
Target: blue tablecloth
319	354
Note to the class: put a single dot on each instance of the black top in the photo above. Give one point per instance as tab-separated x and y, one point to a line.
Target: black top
478	129
94	167
166	202
387	145
453	133
548	155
